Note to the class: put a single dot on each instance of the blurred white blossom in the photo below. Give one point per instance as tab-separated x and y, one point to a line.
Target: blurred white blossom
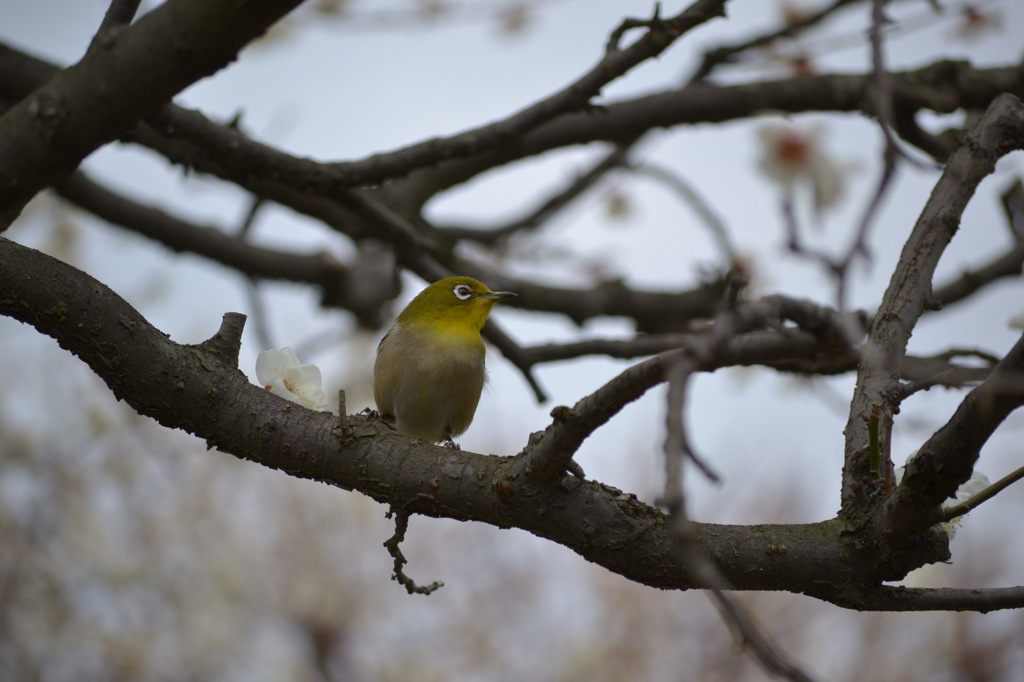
974	485
794	154
975	22
282	374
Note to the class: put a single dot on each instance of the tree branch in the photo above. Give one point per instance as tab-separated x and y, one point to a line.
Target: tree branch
548	455
727	53
950	513
890	598
942	87
46	135
946	459
1010	264
615	159
213	243
119	13
243	155
199	389
999	131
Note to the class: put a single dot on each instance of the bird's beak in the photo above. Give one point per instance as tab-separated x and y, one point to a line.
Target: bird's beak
498	295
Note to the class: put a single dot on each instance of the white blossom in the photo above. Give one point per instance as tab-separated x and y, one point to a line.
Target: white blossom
282	374
974	485
794	154
975	22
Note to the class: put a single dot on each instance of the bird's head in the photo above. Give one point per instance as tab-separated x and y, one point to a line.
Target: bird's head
457	302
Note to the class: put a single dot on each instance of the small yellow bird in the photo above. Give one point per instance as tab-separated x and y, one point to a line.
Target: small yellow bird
430	365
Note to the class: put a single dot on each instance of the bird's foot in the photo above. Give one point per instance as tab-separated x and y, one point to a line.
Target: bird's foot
450	444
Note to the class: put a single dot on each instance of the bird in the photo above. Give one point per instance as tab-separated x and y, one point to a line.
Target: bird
429	371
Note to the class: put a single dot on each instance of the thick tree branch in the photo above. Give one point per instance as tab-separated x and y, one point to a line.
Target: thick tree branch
1000	131
199	389
46	135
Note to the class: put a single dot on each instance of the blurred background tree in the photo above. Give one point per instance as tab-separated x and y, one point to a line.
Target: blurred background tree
788	149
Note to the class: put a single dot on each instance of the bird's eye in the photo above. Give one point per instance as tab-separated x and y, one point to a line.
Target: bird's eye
462	292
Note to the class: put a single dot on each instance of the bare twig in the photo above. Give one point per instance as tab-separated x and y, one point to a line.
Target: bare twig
616	158
890	598
950	513
796	247
209	242
402	525
119	13
720	344
724	54
774	661
260	318
628	24
839	268
703	571
1010	264
719	232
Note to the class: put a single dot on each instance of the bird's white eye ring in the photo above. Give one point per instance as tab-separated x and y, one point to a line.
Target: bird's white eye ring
462	292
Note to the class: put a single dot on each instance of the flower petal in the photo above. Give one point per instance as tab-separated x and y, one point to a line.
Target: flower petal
270	363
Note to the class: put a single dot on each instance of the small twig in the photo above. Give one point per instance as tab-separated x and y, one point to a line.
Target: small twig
724	54
794	244
549	208
689	195
1013	205
119	13
342	413
750	635
654	23
953	512
401	525
886	454
549	456
883	86
1010	264
250	217
260	319
937	371
702	570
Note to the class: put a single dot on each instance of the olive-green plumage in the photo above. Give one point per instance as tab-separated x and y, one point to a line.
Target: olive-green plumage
430	365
